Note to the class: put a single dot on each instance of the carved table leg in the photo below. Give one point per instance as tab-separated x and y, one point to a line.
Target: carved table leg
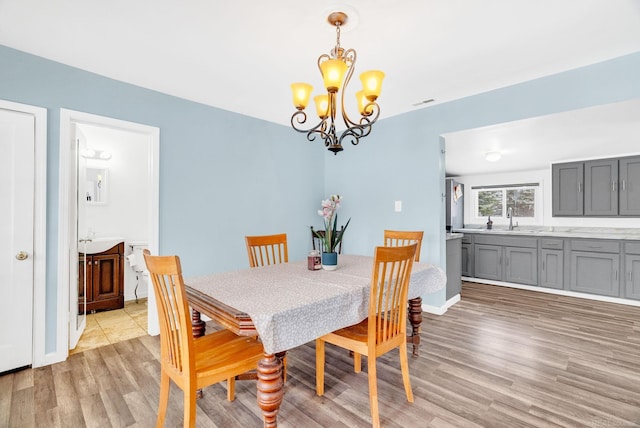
415	318
270	388
282	356
198	328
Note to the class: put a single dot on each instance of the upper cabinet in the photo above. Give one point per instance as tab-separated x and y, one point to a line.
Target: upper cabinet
630	186
601	187
605	188
568	189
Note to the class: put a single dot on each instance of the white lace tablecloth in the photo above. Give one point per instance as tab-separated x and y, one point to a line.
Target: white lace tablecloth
291	305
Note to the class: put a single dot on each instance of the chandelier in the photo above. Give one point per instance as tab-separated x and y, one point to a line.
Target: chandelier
336	69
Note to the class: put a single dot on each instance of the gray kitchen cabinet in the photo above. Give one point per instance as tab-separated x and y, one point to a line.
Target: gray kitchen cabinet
466	256
506	258
629	186
595	266
551	263
567	189
551	268
488	261
521	265
632	270
632	276
454	282
601	187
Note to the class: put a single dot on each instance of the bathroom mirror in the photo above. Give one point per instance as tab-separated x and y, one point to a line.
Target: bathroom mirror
96	185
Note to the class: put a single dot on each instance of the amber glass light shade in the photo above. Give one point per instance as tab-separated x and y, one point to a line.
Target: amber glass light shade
322	105
362	103
301	94
333	71
372	83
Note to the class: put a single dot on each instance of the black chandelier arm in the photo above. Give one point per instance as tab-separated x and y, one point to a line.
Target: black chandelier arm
320	129
300	118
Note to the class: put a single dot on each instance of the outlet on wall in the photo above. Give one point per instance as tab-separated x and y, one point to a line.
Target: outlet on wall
398	207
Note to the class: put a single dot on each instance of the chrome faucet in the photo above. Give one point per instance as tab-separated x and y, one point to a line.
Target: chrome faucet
510	216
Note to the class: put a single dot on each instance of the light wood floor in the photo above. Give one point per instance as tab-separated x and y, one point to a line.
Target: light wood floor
500	357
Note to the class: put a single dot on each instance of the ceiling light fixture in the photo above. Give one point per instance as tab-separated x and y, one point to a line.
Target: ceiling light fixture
95	154
493	156
333	67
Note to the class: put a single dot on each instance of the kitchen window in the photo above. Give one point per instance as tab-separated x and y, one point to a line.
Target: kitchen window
495	201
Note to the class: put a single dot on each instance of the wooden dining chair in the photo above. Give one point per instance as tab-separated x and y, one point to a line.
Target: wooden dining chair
399	238
267	249
192	363
316	243
383	329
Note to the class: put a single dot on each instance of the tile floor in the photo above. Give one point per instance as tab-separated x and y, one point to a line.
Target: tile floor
114	326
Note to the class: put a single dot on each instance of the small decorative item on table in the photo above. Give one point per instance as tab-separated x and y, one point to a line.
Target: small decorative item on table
332	237
314	261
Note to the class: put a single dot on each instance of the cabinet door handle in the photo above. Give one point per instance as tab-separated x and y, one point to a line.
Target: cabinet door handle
95	262
616	274
579	187
624	187
543	268
613	186
630	277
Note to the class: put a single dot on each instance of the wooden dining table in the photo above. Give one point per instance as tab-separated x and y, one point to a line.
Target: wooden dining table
287	305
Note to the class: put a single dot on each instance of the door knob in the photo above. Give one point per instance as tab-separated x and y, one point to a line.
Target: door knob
22	255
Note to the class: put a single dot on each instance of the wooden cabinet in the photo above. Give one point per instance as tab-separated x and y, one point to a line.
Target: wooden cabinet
604	187
568	189
629	186
595	267
104	279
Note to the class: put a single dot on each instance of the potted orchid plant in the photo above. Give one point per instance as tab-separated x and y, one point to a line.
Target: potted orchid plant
332	236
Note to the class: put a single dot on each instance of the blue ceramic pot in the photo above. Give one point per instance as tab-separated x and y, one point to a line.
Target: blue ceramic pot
329	261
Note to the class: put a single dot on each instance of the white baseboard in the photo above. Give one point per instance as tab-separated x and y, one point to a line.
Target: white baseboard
440	310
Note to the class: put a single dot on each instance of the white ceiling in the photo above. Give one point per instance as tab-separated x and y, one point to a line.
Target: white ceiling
591	133
242	55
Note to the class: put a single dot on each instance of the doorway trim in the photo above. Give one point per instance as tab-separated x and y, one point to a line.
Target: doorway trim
39	228
67	202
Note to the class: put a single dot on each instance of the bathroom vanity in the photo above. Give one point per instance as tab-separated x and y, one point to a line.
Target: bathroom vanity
104	276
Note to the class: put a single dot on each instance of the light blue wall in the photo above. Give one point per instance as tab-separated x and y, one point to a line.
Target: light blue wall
224	175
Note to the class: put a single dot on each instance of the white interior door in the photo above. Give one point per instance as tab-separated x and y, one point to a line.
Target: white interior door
17	180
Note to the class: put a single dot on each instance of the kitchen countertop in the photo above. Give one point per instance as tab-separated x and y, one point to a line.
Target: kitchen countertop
454	235
561	232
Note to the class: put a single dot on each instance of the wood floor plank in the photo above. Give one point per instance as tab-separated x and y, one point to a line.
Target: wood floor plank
22	408
500	357
6	393
67	399
94	411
